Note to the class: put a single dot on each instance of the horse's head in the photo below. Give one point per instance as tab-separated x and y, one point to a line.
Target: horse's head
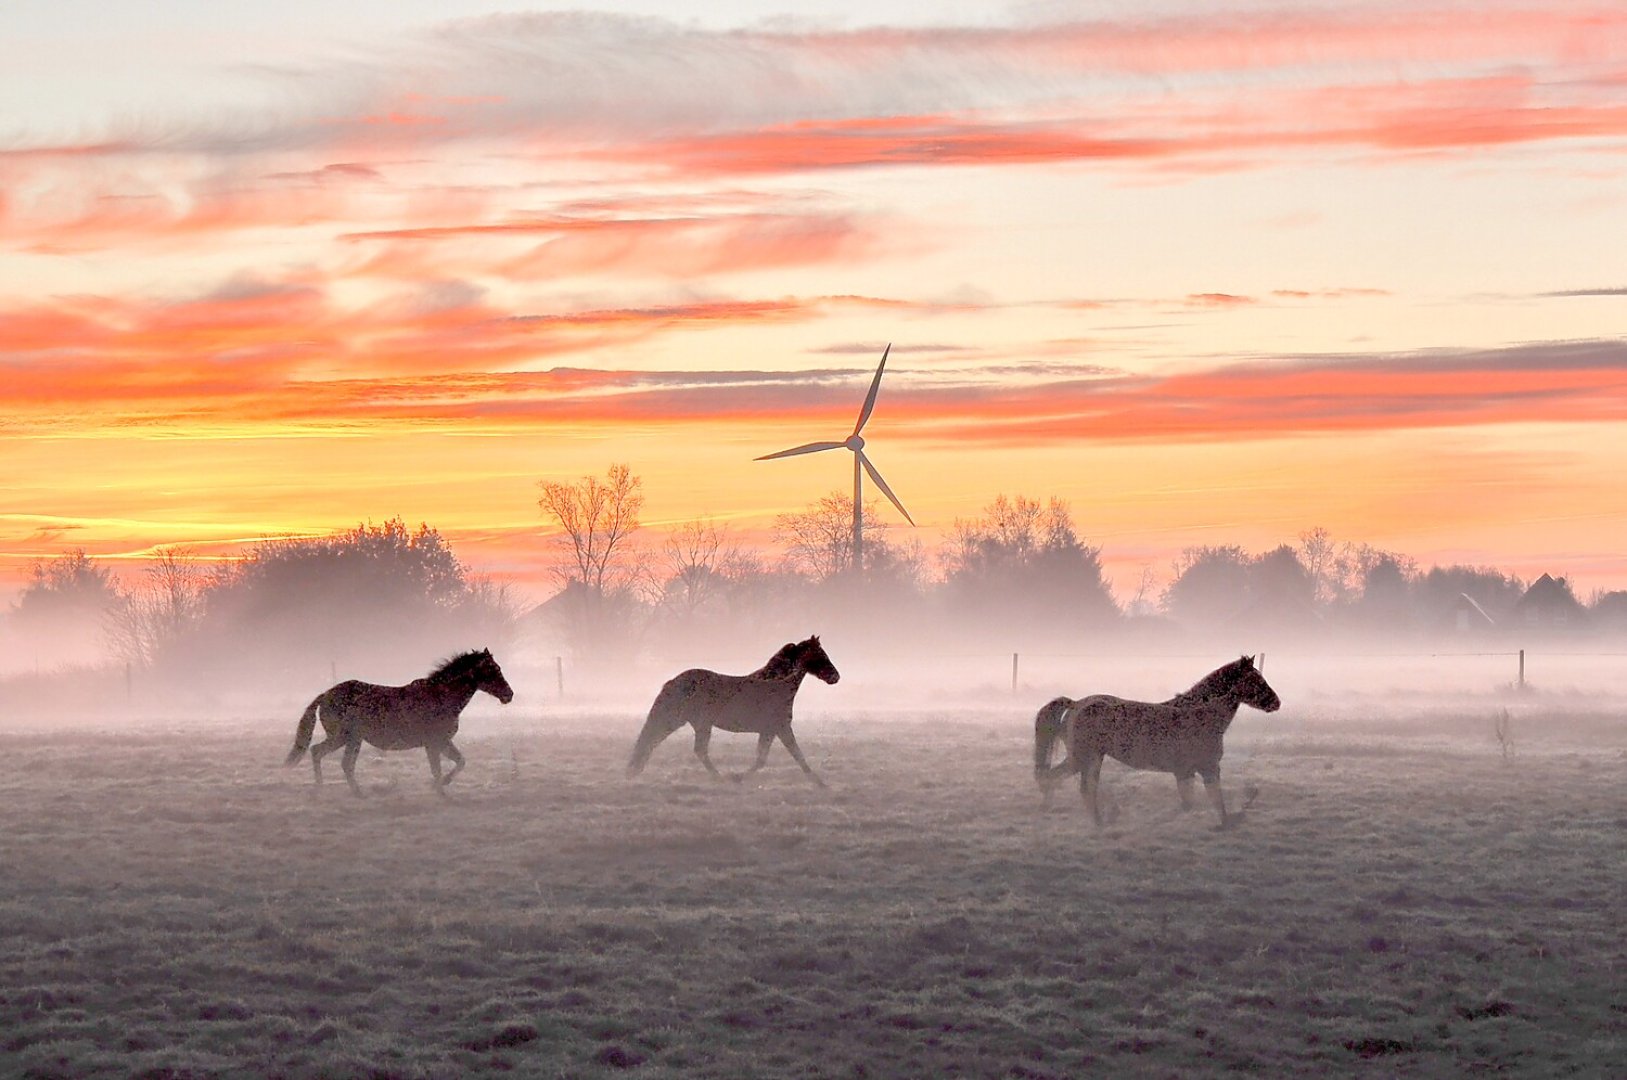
814	661
489	677
1252	689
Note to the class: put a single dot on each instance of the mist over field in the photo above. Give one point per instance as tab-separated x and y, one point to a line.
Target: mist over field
1420	871
1414	889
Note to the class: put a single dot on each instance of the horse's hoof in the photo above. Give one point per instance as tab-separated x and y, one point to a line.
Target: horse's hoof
738	778
1233	820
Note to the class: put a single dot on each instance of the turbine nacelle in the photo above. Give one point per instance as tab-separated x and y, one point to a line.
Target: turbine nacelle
855	442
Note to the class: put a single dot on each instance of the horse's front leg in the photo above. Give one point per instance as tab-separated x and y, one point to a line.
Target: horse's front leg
1183	784
703	740
1211	785
434	753
790	742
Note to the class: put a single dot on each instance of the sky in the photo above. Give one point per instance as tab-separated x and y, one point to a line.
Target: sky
1209	272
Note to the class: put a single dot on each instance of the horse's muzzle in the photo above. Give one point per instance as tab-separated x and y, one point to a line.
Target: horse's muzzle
506	697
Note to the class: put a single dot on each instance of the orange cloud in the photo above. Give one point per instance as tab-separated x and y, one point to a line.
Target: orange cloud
1004	404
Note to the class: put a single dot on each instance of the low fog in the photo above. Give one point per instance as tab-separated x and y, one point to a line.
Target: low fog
1383	877
265	652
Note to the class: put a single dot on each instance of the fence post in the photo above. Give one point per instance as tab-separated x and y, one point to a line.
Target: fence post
1522	669
1013	673
1259	665
559	675
129	690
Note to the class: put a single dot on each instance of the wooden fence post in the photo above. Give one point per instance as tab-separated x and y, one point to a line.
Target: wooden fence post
1522	670
559	675
1013	673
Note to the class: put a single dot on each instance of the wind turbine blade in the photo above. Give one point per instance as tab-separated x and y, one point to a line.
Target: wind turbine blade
882	484
875	385
807	448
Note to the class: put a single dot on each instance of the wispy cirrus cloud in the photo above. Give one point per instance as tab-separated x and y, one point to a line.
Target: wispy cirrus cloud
1616	291
541	249
644	91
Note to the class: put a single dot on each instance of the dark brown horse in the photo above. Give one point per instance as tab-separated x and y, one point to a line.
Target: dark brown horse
1182	735
422	713
758	703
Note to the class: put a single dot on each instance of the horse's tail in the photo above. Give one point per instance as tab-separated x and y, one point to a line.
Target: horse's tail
303	733
1049	725
666	716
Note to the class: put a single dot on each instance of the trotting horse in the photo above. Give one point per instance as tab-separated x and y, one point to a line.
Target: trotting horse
759	702
1181	736
422	713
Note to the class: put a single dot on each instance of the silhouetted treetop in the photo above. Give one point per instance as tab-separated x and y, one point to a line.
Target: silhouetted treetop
69	586
1025	560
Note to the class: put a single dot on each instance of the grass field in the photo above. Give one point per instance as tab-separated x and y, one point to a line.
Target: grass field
1403	899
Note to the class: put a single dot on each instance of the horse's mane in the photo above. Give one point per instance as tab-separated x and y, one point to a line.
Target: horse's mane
458	665
1215	683
785	660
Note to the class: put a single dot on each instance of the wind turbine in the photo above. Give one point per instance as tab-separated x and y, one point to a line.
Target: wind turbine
861	465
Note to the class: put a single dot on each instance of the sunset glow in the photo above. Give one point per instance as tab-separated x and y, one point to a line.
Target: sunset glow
1211	273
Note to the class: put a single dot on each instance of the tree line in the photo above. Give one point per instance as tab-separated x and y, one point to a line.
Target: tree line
1020	573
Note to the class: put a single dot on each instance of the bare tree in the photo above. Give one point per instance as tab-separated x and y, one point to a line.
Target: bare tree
1318	555
818	540
596	519
162	609
1142	603
699	562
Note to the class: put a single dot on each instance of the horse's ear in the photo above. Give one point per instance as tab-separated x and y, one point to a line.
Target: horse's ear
1248	661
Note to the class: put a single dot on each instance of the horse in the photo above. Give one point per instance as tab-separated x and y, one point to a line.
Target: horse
422	713
1180	736
759	703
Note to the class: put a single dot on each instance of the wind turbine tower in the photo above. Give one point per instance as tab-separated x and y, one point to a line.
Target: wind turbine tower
861	465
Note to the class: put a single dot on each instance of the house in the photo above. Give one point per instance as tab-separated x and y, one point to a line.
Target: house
1549	604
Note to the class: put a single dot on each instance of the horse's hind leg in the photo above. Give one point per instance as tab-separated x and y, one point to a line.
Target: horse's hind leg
353	750
765	742
703	740
790	742
320	751
1054	777
1090	784
457	762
